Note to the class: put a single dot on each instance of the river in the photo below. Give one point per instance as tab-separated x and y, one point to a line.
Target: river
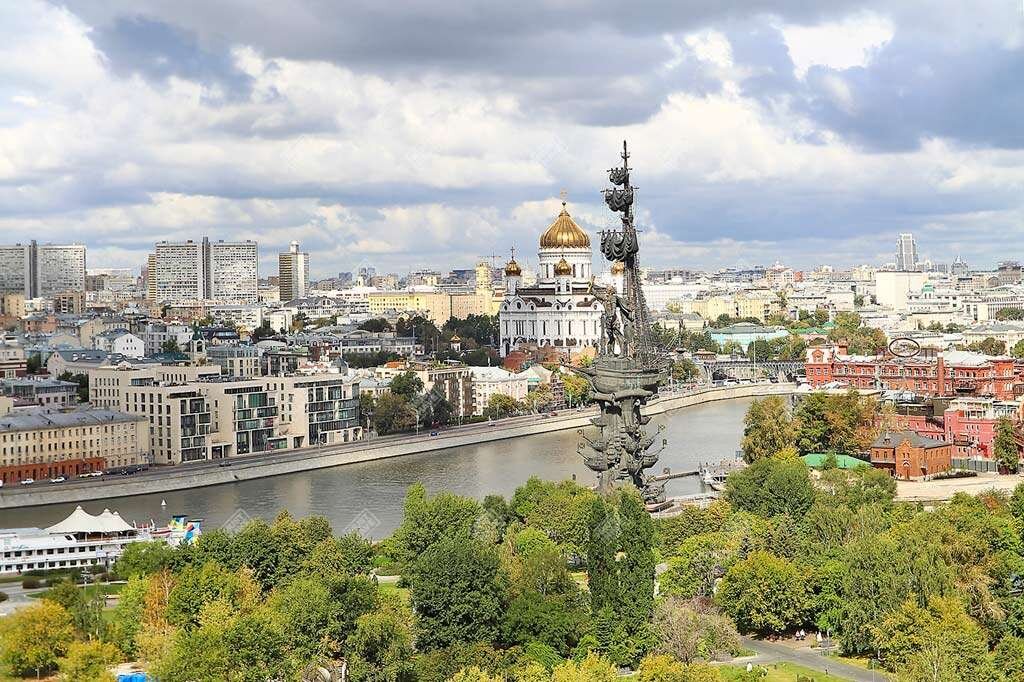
368	496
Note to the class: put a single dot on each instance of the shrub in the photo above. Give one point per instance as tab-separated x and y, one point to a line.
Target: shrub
3	597
31	583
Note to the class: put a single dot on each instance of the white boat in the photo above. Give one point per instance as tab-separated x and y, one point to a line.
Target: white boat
82	540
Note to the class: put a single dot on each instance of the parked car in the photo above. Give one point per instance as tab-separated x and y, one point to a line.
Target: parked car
28	481
58	479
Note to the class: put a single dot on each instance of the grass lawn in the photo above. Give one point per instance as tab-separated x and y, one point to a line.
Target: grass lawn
779	672
90	590
393	588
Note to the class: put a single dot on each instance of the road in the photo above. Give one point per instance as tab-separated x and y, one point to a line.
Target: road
17	597
770	652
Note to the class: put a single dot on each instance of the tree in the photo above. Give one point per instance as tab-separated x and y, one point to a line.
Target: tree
126	619
770	487
393	414
839	423
376	325
697	564
88	662
263	331
1004	314
500	406
86	610
349	554
381	646
1004	447
763	593
406	385
767	429
144	558
690	630
456	594
170	346
577	388
593	668
428	520
988	346
684	369
1018	349
33	638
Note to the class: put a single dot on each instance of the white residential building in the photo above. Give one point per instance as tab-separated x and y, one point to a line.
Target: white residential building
489	381
120	341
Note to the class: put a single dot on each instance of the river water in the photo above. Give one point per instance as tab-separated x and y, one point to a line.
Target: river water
368	496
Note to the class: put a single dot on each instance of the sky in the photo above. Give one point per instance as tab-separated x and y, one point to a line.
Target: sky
421	134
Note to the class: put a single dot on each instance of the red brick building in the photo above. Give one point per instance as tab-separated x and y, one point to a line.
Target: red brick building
908	456
951	373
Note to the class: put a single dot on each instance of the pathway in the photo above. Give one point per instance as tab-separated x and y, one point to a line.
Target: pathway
769	652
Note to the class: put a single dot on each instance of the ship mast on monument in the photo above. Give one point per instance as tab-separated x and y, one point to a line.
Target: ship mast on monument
628	368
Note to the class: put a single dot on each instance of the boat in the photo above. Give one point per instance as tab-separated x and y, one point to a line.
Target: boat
83	540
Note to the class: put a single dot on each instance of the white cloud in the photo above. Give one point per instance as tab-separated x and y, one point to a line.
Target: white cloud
837	44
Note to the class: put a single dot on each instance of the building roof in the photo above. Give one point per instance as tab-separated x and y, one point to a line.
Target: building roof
894	438
747	328
816	460
48	419
564	233
81	521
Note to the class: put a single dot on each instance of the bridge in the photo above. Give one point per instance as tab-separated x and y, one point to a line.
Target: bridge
741	368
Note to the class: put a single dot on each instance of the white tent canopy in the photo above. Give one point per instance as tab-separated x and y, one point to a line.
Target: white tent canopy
81	521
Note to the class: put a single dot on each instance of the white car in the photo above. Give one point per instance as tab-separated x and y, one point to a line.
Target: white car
58	479
28	481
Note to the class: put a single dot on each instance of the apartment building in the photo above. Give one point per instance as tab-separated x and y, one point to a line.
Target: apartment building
235	360
107	384
293	273
42	270
178	418
194	271
44	444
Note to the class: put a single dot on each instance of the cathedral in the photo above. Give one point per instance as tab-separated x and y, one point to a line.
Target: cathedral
561	309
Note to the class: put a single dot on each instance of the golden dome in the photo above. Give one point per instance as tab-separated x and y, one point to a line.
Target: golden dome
564	234
513	269
618	267
563	268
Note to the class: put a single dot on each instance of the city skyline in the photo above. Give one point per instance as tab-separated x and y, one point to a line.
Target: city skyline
779	134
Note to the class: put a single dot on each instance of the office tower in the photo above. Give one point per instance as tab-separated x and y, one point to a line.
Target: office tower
42	269
220	271
232	271
149	277
293	273
906	253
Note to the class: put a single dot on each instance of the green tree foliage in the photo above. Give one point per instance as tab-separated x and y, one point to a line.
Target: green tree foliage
835	423
483	329
697	563
684	369
86	609
88	662
561	510
144	558
500	406
393	414
126	619
375	325
381	645
1004	447
767	428
988	346
577	389
374	359
764	594
772	486
429	520
456	593
406	385
859	339
33	638
1015	314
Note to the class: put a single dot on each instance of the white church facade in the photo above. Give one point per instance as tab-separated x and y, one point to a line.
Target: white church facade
560	310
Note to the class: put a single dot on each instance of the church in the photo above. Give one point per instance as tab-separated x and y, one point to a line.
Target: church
560	310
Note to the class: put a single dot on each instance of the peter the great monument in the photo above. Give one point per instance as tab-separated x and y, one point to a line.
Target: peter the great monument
628	368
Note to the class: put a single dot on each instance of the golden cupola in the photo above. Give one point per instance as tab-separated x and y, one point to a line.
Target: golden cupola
562	268
618	267
564	233
513	269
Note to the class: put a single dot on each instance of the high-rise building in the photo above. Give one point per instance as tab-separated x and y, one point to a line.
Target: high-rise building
42	269
293	273
906	253
221	271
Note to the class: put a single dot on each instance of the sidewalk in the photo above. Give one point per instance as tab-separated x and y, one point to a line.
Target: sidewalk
768	652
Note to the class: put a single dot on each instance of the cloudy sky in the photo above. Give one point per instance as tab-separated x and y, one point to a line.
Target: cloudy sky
429	134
